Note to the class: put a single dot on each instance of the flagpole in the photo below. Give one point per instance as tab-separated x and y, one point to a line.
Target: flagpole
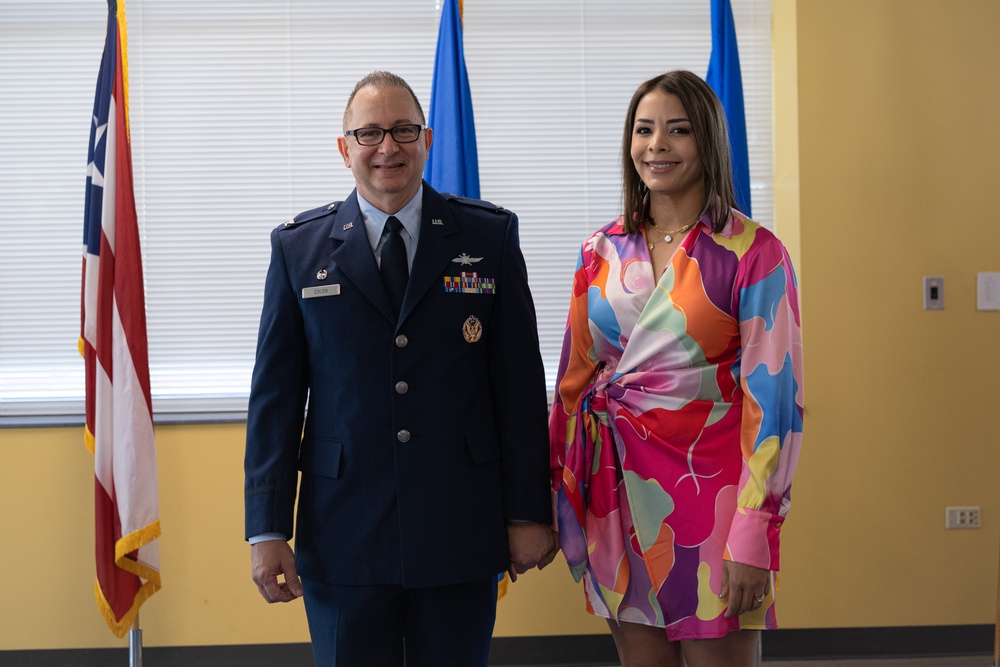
135	644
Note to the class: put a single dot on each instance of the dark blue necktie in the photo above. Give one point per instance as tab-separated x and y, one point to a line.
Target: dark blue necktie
393	263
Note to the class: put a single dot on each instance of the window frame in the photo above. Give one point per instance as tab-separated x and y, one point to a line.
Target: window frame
235	107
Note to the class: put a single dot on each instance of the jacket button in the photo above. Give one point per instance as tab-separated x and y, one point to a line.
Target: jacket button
401	340
403	436
402	387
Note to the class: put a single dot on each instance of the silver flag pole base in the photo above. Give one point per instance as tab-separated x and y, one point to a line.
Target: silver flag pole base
135	644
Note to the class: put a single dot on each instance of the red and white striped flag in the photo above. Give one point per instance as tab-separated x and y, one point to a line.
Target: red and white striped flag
119	428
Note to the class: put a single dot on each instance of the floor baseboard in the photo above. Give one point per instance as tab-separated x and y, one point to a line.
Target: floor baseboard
804	644
889	642
794	644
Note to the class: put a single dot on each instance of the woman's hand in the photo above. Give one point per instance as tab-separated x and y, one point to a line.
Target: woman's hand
745	586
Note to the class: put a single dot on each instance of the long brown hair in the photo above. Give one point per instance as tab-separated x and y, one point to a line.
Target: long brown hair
711	135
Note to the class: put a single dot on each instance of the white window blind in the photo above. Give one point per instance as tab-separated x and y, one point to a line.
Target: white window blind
235	109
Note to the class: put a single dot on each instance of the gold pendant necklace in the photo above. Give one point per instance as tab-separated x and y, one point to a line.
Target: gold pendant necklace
668	237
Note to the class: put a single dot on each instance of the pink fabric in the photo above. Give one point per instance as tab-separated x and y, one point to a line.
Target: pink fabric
677	423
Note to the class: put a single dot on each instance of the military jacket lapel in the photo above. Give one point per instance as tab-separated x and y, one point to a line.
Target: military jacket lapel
352	254
439	235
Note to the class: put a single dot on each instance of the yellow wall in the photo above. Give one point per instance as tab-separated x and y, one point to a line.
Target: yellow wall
47	536
898	157
887	155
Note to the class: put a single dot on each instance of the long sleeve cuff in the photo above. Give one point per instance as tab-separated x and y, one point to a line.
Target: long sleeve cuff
754	538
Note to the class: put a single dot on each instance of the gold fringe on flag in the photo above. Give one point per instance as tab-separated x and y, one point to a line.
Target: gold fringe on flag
502	586
123	547
123	49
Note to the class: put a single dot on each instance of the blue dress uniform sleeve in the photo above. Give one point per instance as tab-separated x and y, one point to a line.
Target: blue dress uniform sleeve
517	376
278	392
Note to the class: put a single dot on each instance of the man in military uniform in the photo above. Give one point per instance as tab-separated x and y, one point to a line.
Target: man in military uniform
398	369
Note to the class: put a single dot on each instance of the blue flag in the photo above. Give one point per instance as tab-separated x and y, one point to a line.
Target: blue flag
453	163
725	79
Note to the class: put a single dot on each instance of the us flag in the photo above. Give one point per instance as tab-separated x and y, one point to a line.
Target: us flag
119	414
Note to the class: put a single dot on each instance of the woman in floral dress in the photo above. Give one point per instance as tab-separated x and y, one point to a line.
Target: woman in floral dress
677	417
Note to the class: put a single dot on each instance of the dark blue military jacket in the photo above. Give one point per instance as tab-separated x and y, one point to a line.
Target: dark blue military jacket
416	440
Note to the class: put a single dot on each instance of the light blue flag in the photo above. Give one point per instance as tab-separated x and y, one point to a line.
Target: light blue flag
453	164
725	79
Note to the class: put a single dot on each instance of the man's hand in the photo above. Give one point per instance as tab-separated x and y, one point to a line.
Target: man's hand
268	560
531	544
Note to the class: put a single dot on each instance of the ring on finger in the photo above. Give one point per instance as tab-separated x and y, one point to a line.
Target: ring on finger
758	600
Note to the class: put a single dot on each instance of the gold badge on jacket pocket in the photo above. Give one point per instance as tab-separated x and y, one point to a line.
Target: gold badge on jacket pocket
472	330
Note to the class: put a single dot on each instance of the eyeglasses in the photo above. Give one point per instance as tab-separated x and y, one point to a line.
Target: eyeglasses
373	136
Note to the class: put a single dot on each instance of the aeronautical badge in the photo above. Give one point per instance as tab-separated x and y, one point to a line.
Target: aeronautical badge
472	329
464	258
321	274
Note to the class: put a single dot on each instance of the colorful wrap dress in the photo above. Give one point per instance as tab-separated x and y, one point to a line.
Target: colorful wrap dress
676	423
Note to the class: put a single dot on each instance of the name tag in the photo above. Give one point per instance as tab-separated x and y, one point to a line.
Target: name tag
323	290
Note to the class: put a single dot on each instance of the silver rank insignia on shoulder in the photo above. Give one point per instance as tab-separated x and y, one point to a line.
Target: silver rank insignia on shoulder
348	226
289	223
472	330
321	274
464	258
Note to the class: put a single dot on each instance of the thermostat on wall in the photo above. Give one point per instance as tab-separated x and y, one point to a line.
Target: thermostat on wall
988	294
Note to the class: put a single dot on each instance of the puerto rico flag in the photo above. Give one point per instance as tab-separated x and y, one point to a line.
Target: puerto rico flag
119	426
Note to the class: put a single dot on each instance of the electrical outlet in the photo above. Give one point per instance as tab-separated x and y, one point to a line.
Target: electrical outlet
961	517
